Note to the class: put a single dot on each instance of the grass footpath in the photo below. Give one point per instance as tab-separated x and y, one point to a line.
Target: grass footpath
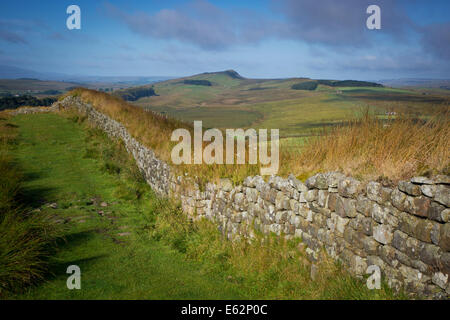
115	261
130	244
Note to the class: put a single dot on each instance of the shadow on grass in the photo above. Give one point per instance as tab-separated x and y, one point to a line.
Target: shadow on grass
66	243
34	197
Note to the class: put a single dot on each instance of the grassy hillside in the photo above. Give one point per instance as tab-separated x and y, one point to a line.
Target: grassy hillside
233	101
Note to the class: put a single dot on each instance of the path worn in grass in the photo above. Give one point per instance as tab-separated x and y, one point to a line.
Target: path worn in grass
99	221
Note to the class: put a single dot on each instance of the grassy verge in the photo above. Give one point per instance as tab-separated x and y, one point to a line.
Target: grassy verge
26	237
266	268
90	186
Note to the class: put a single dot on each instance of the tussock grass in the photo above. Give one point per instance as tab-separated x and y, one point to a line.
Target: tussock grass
25	237
265	268
369	147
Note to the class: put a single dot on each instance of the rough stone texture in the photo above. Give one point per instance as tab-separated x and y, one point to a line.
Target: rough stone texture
404	230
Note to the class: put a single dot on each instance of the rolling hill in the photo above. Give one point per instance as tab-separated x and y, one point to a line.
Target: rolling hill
297	106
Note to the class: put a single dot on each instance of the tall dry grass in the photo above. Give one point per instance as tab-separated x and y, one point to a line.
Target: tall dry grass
365	147
155	131
369	147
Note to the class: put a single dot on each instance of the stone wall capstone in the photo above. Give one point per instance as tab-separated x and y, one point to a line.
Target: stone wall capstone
405	230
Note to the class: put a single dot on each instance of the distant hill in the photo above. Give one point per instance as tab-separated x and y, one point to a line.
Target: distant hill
29	85
419	83
230	73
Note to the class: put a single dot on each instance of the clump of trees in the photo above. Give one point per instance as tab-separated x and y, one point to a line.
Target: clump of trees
134	94
307	85
198	82
11	102
348	83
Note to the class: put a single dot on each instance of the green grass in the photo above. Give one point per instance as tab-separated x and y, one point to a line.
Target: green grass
164	256
57	156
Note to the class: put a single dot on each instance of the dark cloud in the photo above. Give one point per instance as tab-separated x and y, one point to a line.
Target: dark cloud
341	22
16	31
331	24
201	23
328	22
436	39
12	37
57	36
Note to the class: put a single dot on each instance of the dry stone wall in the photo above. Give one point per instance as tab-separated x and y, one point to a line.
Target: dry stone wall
404	230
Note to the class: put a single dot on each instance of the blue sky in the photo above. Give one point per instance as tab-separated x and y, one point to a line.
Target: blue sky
263	39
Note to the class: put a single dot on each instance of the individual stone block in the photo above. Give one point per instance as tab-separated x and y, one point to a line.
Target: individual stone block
377	213
399	240
412	275
332	199
418	206
440	279
363	205
333	179
403	258
346	207
348	234
444	241
445	215
311	195
441	179
323	198
398	199
445	262
318	181
370	245
349	187
442	195
341	223
413	247
422	180
409	188
423	230
387	253
430	254
435	212
428	190
367	226
408	223
376	192
383	234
